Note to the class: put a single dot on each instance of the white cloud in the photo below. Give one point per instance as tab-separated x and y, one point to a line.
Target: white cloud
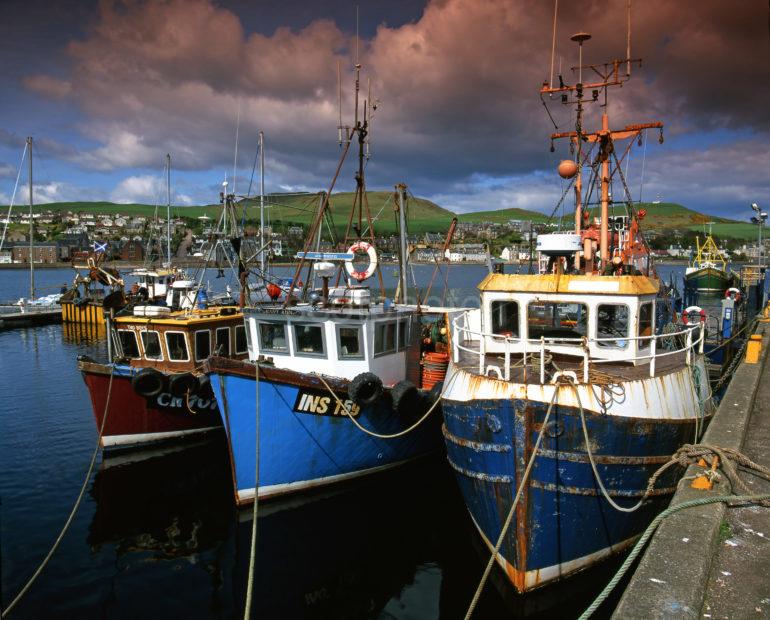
143	189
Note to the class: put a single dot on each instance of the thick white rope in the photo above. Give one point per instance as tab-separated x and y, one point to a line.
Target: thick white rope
509	518
372	433
253	552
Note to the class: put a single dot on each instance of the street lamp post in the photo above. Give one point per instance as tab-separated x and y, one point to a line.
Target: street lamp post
759	220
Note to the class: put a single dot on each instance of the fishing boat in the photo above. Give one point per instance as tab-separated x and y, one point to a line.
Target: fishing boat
566	389
152	388
334	385
707	273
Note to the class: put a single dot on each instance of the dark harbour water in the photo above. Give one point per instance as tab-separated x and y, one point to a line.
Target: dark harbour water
157	534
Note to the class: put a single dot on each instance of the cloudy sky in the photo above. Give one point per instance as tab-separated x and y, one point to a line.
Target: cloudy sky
108	88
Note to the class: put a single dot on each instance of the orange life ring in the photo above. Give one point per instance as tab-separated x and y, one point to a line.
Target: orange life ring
689	311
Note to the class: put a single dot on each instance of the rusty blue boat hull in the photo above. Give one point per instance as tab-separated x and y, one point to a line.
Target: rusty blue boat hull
562	522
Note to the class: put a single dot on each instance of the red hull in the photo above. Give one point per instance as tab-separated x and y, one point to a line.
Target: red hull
134	420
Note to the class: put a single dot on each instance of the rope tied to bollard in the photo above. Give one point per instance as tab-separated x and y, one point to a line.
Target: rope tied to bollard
68	522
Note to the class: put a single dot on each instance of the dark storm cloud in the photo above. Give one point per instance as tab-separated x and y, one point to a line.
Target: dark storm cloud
458	84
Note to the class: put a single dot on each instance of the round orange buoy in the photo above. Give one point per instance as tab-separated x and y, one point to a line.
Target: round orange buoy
273	291
567	169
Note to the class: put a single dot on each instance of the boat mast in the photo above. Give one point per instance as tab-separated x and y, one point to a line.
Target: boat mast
401	190
262	201
168	208
31	229
610	75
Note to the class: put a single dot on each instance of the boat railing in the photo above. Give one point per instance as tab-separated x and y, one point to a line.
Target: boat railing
650	348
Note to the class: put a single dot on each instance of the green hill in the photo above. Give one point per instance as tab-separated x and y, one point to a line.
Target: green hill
424	215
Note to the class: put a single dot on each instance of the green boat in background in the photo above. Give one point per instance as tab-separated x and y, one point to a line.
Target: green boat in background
708	270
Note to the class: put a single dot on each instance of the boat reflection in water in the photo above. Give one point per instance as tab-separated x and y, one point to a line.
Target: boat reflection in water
379	548
83	333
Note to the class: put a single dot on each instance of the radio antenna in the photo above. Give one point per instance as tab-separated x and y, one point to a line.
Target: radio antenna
341	134
628	38
553	40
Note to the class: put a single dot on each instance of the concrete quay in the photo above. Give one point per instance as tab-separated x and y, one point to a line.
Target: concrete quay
713	561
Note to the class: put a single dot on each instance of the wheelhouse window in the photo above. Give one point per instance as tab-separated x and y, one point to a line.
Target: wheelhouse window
128	343
612	322
202	345
241	346
176	344
384	337
272	338
403	334
646	315
222	341
349	342
151	345
505	318
309	340
557	319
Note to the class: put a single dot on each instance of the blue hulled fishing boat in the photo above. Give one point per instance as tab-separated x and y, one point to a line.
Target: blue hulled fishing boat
568	388
325	375
335	386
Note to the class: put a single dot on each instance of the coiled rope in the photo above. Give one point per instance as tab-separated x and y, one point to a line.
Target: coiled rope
59	538
372	433
253	551
727	499
509	518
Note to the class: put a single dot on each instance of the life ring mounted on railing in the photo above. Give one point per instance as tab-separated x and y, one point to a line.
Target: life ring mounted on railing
692	311
361	247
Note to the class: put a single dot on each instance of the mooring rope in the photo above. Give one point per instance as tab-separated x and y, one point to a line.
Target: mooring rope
372	433
67	524
728	499
509	518
255	512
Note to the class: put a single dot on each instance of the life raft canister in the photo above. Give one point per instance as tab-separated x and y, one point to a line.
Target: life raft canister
362	246
692	311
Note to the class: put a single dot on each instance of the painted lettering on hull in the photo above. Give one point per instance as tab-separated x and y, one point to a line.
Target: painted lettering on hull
321	403
194	404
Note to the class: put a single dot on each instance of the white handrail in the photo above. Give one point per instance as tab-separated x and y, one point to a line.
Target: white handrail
652	353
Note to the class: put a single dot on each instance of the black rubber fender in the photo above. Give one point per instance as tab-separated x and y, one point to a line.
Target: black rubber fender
148	382
204	384
183	383
365	388
406	398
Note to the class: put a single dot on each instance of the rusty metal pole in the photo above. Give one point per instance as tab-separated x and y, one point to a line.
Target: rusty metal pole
604	232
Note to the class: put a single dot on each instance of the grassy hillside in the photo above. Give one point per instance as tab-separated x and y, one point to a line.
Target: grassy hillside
424	215
503	215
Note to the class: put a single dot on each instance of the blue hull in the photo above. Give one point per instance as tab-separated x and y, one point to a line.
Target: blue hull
562	522
304	442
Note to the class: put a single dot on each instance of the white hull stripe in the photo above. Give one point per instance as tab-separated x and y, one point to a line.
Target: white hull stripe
142	438
542	576
246	496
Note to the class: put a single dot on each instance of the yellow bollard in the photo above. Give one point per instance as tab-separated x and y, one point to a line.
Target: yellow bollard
753	349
